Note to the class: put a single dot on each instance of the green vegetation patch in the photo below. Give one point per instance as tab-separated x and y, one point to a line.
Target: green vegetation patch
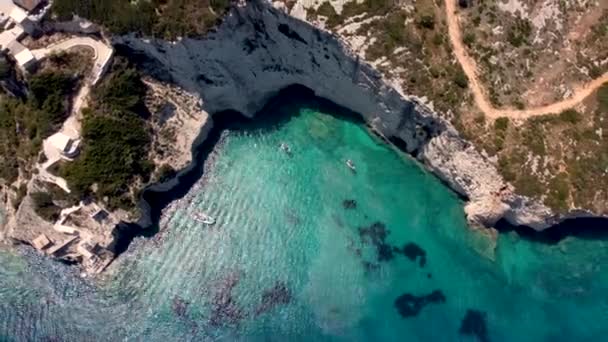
602	98
394	35
161	18
519	32
49	93
116	141
352	9
24	123
570	116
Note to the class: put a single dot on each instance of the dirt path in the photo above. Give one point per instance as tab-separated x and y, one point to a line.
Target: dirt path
480	95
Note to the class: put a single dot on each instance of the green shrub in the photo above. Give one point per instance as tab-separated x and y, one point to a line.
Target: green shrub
162	18
5	68
501	124
22	129
48	93
469	39
519	33
558	193
533	138
438	39
394	34
461	79
328	11
528	185
505	169
602	98
427	21
570	116
373	8
123	91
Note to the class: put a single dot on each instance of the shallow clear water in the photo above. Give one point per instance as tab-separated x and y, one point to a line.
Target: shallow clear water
289	260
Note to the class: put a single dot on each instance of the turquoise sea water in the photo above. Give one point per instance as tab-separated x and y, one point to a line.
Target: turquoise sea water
306	250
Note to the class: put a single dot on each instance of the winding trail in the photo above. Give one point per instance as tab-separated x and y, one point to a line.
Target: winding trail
102	56
479	93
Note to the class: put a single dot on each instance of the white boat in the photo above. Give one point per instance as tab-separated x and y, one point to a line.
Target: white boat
351	165
285	148
203	218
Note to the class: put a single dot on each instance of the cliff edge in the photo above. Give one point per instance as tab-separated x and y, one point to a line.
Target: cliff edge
259	50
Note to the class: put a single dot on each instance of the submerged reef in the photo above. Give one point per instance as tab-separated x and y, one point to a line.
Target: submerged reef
225	310
412	251
274	296
376	235
474	324
409	305
349	204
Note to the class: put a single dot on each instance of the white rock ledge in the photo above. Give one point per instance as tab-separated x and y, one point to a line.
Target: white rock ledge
259	50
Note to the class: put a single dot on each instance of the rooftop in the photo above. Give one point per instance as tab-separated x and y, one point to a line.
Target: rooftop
60	141
29	5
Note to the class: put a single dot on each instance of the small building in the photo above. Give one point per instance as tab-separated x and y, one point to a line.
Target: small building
22	55
6	39
41	242
25	59
18	15
28	5
66	145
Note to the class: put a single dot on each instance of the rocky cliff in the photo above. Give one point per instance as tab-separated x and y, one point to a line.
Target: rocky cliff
259	50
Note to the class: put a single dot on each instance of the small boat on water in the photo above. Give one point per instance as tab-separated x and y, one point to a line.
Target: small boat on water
285	148
351	165
203	218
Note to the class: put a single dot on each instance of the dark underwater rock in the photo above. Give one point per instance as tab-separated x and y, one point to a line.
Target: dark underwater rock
412	251
370	266
474	324
276	295
376	233
180	306
349	204
385	252
225	311
409	305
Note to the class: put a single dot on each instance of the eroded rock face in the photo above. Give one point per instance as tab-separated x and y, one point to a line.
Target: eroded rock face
259	50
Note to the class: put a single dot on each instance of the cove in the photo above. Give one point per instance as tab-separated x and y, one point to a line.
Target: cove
304	249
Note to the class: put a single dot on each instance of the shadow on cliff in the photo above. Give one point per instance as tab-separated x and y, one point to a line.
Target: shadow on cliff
156	197
587	228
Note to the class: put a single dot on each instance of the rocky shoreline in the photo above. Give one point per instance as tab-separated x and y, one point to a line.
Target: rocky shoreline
259	50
